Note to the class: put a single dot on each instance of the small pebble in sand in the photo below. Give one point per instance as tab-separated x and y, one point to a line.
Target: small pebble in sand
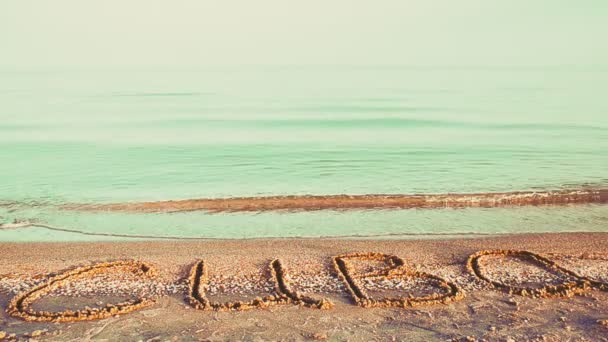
37	333
318	336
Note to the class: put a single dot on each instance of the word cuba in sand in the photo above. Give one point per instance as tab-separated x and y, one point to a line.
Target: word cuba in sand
392	267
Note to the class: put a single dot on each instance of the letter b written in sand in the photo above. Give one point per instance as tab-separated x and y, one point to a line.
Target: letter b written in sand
393	267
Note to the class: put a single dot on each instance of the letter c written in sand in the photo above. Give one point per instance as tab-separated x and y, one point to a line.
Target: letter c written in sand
20	305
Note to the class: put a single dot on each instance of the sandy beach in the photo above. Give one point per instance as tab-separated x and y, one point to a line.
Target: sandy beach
238	271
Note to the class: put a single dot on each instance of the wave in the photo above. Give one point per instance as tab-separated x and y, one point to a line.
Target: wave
160	94
365	123
316	123
357	202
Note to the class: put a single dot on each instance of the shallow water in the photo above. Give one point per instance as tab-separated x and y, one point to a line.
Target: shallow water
105	136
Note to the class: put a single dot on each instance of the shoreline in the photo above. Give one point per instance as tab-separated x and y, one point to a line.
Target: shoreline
362	237
526	239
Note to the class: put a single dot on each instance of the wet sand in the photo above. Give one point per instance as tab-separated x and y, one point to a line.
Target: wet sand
239	271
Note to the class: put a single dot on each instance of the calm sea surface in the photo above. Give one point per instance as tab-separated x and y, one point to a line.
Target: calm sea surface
117	136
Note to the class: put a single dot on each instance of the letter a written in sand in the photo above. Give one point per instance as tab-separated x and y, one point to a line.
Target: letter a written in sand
198	280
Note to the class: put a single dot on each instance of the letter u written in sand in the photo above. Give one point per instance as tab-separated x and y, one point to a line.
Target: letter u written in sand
198	281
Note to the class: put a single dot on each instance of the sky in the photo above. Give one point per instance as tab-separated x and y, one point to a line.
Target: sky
183	33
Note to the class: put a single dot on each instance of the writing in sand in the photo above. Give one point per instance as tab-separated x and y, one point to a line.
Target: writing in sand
355	281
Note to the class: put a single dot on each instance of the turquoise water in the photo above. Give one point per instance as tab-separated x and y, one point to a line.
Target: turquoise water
72	136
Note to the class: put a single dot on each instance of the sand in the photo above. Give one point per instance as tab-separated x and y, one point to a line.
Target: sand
238	270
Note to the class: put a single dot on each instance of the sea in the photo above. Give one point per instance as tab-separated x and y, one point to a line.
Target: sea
114	135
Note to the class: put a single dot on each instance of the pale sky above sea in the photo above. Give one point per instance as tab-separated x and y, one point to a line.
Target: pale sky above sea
113	101
109	33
